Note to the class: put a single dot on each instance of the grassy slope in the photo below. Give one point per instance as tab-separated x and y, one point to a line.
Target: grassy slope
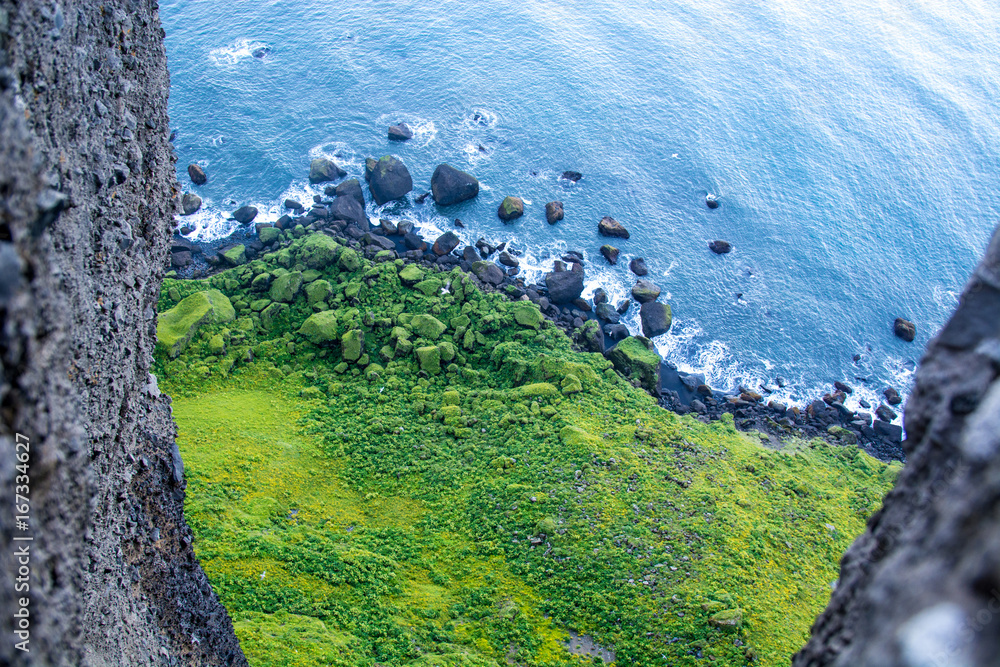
352	518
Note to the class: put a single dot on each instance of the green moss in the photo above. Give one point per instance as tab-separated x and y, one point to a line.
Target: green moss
429	287
410	275
427	326
269	235
176	327
352	344
286	287
527	315
320	328
404	512
635	359
318	251
236	255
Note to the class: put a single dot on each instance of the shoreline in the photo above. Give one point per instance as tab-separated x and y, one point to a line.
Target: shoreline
825	417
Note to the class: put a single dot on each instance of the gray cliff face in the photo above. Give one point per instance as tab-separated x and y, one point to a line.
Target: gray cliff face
88	192
922	586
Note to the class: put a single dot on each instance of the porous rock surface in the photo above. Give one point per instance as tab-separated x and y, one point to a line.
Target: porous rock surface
922	585
89	192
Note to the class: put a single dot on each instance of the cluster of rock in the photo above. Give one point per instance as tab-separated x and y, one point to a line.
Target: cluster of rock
827	417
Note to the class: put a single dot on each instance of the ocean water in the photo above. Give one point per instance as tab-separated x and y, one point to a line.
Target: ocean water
853	145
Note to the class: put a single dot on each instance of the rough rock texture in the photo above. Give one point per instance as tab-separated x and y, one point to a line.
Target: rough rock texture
89	192
922	585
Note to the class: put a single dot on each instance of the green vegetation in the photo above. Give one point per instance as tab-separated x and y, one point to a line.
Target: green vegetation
439	479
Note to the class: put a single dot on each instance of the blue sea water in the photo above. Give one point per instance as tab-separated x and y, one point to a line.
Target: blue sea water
853	144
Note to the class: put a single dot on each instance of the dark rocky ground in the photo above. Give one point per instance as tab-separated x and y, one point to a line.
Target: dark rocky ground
88	202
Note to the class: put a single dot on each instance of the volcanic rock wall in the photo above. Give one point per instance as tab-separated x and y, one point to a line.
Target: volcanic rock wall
88	187
921	587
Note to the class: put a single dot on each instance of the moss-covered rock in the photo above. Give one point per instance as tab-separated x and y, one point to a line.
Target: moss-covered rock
317	291
320	328
447	351
284	288
176	327
571	384
574	436
430	359
634	359
269	235
410	275
451	397
727	618
271	314
349	260
352	344
527	314
429	287
318	251
235	256
217	344
427	326
261	283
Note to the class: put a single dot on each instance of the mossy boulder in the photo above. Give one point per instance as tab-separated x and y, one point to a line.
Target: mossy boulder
510	208
235	256
318	251
635	359
269	315
450	414
285	287
269	235
571	384
261	283
727	618
318	291
447	351
656	318
349	260
527	315
217	344
451	397
427	326
429	287
410	275
575	436
352	344
536	389
430	359
176	327
320	328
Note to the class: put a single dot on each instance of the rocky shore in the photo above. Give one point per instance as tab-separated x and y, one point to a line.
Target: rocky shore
594	324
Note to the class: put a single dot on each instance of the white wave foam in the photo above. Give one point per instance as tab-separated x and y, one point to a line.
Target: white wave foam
481	118
234	53
341	153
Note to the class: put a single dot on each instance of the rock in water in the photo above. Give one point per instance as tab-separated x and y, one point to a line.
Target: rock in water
610	253
720	247
507	259
892	396
370	164
197	174
904	329
245	214
711	201
389	180
511	208
322	170
445	244
450	186
564	286
656	319
401	132
644	291
638	266
554	212
190	203
571	176
347	209
608	226
293	205
351	188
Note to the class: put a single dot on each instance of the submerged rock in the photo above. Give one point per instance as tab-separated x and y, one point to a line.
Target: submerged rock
245	214
389	180
904	329
656	319
608	226
451	186
571	176
197	174
638	266
644	291
720	247
510	208
401	132
554	212
564	286
610	253
322	170
190	203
